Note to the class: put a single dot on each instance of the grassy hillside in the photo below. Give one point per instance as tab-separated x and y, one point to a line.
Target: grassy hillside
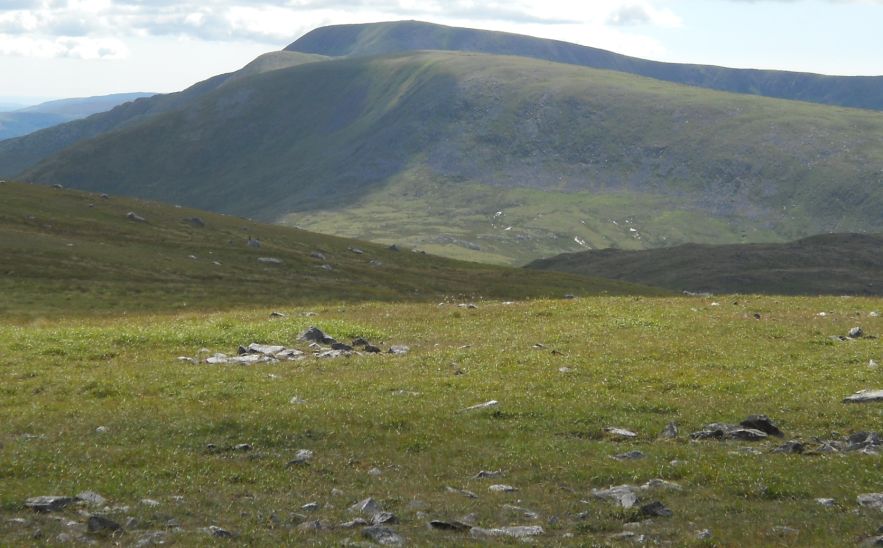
104	405
69	252
838	264
398	36
573	154
37	117
20	153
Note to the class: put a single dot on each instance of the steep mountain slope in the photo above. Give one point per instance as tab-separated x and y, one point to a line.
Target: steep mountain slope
37	117
70	251
500	158
392	37
835	264
26	151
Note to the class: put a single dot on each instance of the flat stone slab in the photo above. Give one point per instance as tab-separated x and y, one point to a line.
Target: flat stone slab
865	396
518	531
49	503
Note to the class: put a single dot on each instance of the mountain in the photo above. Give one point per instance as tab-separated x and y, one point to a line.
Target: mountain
71	251
495	158
400	36
836	264
23	152
29	119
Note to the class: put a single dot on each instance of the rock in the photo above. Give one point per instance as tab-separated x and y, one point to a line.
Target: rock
265	349
865	396
371	349
357	251
784	530
366	506
310	507
132	216
57	186
655	509
269	260
624	495
358	522
874	314
520	531
721	431
828	503
150	503
104	197
376	472
792	447
382	535
393	247
489	474
218	532
151	538
873	541
525	513
314	334
49	503
871	500
187	359
91	497
318	255
565	370
762	423
502	488
704	534
464	492
469	306
746	434
243	447
253	243
101	524
872	364
618	432
670	431
341	346
569	296
630	455
399	350
194	221
660	484
855	333
303	456
449	525
384	518
311	526
485	405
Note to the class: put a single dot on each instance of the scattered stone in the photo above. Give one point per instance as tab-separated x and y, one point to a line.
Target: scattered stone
150	503
871	500
469	306
630	455
49	503
485	405
502	488
704	534
565	370
872	364
393	247
660	484
828	503
151	538
253	243
303	456
520	531
57	186
132	216
569	296
784	530
275	314
357	251
873	541
527	514
399	350
366	506
863	440
464	492
91	497
449	525
617	432
358	522
874	314
762	423
865	396
310	507
791	447
376	472
384	518
318	255
194	221
721	431
855	333
269	260
624	495
371	349
243	447
341	346
101	524
656	509
218	532
670	431
314	334
489	474
187	359
382	535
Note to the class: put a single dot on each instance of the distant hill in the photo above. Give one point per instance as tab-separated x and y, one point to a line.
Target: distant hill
66	251
838	264
26	151
399	36
29	119
493	158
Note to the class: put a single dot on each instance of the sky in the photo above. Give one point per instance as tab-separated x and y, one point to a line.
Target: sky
77	48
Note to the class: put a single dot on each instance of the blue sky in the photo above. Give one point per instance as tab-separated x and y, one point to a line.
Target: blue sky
72	48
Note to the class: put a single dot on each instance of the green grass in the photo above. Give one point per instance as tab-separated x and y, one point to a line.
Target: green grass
637	363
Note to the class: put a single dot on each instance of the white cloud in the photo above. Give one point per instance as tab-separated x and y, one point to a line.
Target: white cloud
66	47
